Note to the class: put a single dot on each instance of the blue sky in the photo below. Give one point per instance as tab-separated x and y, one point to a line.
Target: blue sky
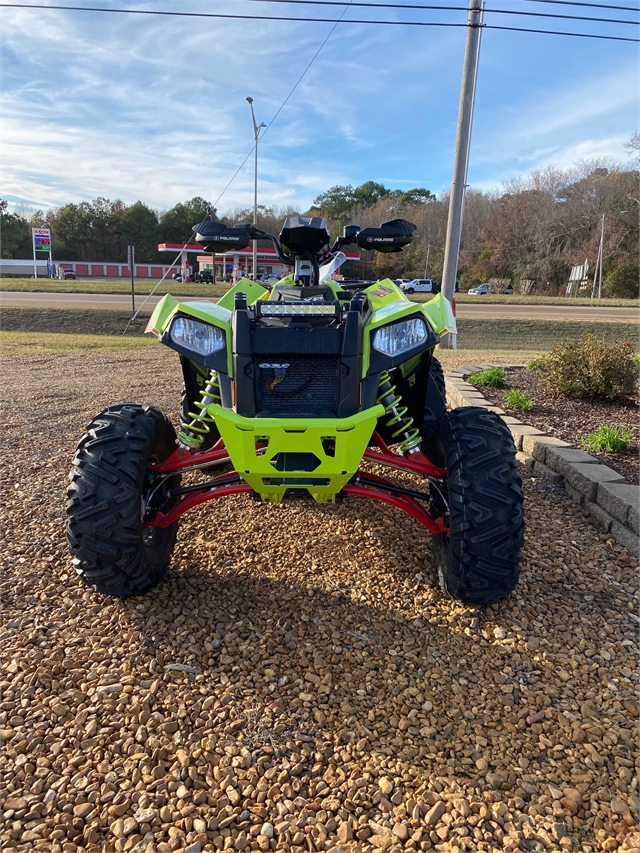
153	108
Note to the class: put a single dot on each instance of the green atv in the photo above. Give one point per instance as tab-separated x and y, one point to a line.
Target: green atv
288	391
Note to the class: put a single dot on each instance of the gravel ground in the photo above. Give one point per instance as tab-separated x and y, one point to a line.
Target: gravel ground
298	682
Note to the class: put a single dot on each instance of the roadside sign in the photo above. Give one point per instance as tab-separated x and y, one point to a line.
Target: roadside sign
576	277
41	239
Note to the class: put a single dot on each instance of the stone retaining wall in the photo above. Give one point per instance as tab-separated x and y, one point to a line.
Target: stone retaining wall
602	492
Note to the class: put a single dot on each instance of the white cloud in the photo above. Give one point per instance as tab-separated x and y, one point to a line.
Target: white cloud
154	108
549	123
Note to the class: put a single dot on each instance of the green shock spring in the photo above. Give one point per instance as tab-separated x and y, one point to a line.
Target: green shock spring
193	433
406	436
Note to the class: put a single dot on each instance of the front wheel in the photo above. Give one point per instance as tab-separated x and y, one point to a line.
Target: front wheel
433	409
112	550
478	561
410	290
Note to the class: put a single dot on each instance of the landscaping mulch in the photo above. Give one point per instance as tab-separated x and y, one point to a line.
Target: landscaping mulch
572	419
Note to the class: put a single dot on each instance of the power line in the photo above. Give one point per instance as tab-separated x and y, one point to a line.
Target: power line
283	104
331	31
289	18
235	175
559	33
451	9
564	17
589	5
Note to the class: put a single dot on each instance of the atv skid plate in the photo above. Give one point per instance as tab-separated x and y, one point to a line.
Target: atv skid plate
363	484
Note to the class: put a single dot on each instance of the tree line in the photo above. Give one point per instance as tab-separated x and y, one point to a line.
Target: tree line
101	230
533	231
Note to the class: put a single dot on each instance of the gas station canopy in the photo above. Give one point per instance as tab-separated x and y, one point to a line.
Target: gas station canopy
265	255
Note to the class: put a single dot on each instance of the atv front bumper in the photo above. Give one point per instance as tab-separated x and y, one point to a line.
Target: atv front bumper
274	455
275	458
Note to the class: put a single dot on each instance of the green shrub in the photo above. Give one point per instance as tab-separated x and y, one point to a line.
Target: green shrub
517	399
537	363
589	367
612	439
622	281
493	377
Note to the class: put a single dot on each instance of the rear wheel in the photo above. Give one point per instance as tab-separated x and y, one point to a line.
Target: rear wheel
478	561
112	549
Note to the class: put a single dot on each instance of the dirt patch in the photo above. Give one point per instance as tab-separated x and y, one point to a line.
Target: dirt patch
572	419
73	321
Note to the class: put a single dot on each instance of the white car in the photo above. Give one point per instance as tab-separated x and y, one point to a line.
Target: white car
485	288
419	285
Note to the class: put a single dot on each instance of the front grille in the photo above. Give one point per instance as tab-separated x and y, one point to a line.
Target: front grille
297	386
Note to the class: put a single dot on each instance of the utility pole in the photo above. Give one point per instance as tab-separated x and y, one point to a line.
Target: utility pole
595	276
601	258
461	156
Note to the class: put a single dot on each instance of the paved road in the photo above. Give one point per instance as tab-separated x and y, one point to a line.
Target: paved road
551	312
521	312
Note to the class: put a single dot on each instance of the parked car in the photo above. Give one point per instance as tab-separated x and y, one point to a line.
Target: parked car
419	285
485	288
204	276
68	274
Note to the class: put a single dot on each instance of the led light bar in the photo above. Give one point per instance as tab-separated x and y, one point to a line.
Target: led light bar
288	308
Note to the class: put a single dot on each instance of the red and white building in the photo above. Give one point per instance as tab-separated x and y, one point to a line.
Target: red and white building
86	269
231	266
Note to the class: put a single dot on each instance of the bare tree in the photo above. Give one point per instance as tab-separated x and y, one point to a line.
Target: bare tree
633	145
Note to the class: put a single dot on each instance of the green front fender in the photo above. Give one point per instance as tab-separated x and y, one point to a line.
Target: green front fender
253	442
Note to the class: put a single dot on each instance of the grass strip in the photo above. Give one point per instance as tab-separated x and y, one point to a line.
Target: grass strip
143	287
25	343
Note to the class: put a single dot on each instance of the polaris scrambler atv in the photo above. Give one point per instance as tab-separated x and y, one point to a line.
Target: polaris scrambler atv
295	388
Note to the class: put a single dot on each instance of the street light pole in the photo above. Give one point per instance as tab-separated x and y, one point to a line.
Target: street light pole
256	132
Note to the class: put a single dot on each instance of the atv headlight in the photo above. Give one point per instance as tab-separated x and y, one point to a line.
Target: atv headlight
398	337
199	337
